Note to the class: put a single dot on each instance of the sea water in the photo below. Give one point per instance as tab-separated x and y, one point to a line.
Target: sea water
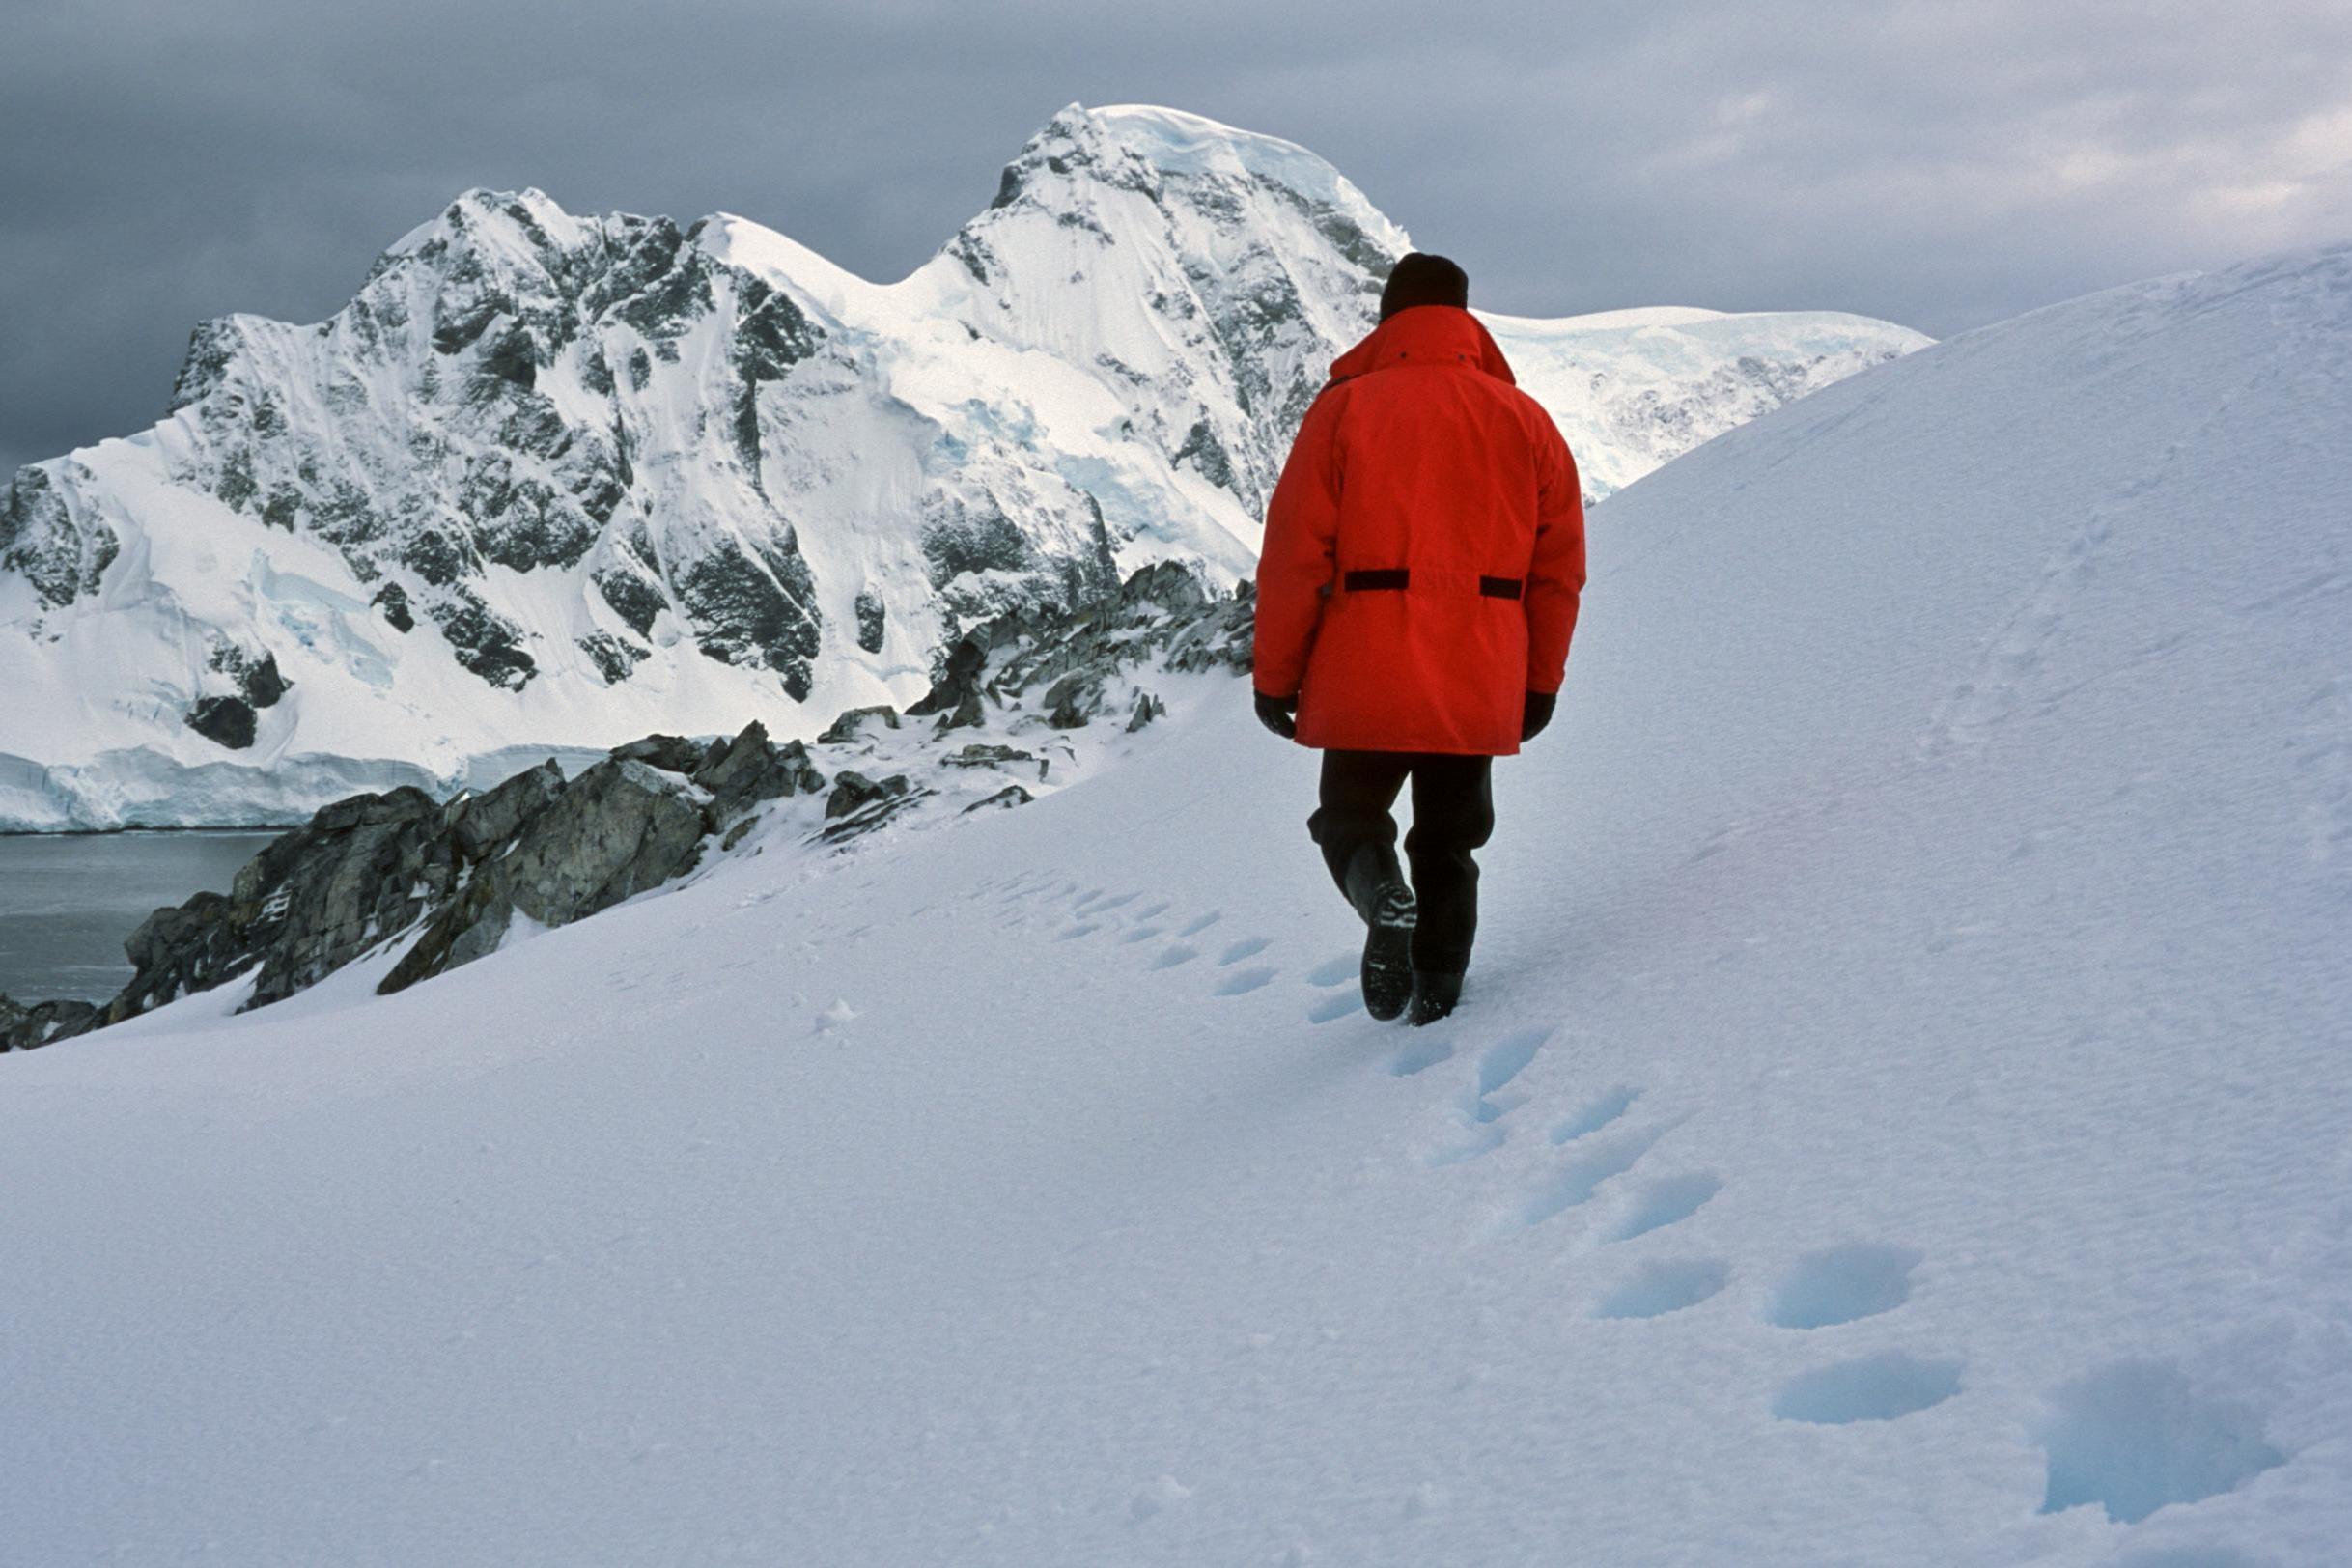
68	900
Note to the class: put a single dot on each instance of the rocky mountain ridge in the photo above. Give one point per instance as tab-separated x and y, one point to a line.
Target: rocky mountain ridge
548	480
1025	703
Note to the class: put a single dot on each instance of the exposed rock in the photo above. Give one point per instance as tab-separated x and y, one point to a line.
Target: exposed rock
264	685
854	789
452	879
619	829
615	659
257	676
956	693
872	621
887	805
741	772
482	823
986	756
616	830
313	900
756	607
671	753
227	722
1070	702
24	1025
847	726
393	600
1012	794
1165	586
63	557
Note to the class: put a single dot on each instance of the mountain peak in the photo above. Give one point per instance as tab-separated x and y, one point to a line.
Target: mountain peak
527	220
1148	148
550	479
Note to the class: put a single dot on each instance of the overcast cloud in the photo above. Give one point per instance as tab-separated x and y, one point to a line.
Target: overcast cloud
1941	164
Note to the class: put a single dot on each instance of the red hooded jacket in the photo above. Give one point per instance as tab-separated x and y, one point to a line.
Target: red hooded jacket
1424	549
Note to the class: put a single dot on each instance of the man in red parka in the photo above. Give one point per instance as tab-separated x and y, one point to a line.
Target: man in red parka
1423	559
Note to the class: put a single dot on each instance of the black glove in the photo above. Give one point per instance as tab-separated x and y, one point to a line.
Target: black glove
1275	712
1536	714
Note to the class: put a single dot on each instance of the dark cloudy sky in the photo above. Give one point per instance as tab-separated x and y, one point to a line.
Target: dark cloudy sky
1942	164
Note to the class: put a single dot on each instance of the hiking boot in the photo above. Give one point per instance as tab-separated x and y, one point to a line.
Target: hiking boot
1377	887
1434	996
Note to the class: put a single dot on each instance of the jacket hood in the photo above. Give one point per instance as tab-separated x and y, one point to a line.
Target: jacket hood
1425	334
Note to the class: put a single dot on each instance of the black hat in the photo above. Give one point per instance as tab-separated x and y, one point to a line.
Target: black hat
1425	280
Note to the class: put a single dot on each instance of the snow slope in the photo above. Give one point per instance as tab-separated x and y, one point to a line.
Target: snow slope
1899	1117
550	482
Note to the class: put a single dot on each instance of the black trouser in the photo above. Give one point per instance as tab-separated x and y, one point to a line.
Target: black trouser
1453	814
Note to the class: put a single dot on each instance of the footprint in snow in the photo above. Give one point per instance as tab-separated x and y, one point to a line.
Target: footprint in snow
1424	1053
1665	1285
1173	955
1469	1145
1577	1182
1246	948
1596	1114
1336	971
2135	1435
1668	1200
1840	1284
1501	1062
1335	1006
1202	923
1240	982
1142	933
1153	912
1881	1388
1109	903
1482	1113
1081	929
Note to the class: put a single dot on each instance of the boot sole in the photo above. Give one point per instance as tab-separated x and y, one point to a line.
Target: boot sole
1386	975
1426	1009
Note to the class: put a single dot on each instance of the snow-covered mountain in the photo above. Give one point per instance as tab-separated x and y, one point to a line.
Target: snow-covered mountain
1899	1116
550	482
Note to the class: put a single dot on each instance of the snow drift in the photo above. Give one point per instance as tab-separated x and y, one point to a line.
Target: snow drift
550	482
1899	1116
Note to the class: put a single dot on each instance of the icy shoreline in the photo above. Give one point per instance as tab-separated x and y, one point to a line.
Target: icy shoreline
138	788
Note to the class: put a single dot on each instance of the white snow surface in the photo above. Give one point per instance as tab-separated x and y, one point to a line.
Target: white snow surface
1898	1115
629	477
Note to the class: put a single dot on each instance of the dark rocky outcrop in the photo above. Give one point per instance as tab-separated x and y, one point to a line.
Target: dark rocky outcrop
454	877
393	600
256	675
40	538
955	695
24	1025
847	726
615	659
671	753
621	828
873	621
742	772
756	607
859	805
993	756
227	722
853	791
1012	794
360	871
373	867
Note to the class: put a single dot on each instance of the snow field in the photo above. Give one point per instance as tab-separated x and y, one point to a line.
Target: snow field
1897	1117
